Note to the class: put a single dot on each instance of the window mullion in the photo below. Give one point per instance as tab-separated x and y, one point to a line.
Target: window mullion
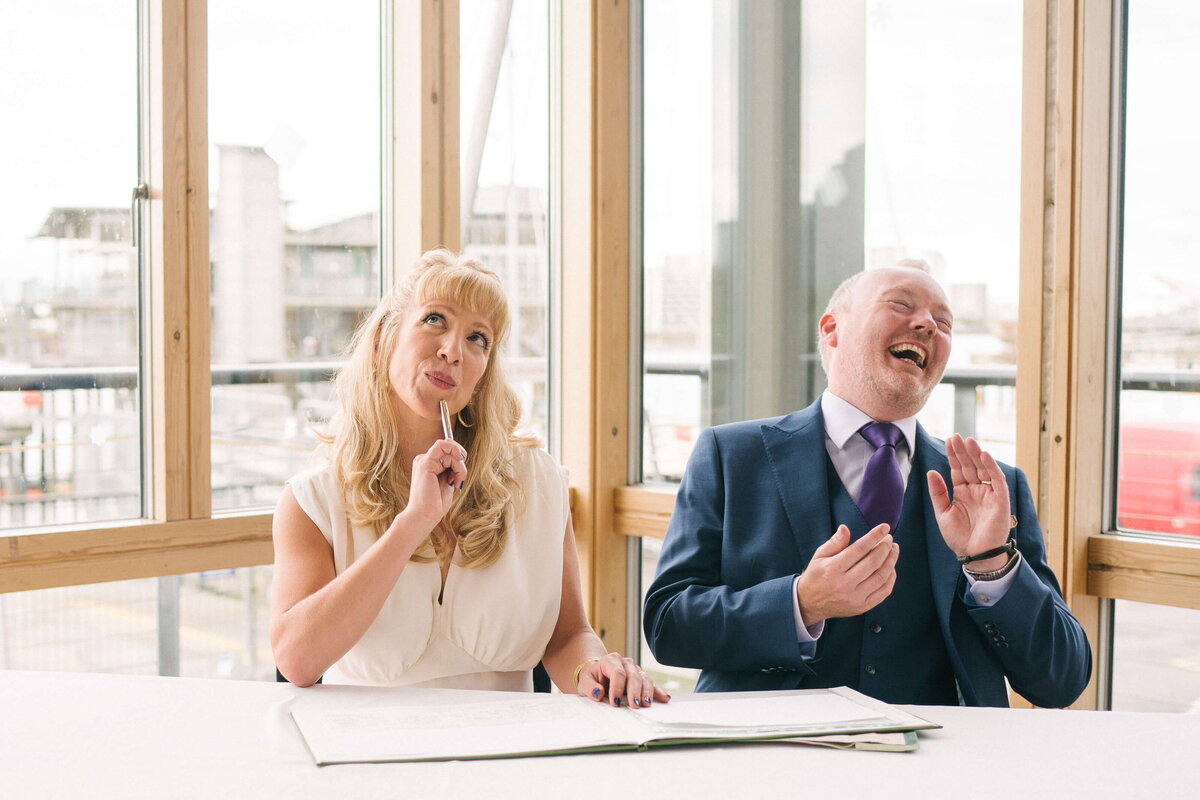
178	264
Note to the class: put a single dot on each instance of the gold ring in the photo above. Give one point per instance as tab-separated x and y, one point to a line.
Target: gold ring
986	483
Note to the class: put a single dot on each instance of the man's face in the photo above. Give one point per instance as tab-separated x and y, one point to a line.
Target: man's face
889	348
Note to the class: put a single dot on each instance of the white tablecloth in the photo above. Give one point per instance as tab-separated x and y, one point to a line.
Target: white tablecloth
95	736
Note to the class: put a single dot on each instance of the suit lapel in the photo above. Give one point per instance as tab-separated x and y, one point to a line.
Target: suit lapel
944	572
795	451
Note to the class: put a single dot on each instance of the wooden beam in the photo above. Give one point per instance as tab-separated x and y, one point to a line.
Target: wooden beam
424	125
1147	571
639	511
123	552
595	222
577	351
1062	380
199	372
1037	209
178	259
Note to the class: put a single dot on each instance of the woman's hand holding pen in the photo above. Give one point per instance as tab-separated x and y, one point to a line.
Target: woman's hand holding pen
436	475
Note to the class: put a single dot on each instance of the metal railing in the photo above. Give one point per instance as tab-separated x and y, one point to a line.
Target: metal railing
966	380
51	379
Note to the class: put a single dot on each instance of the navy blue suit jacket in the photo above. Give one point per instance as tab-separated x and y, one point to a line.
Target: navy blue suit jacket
753	507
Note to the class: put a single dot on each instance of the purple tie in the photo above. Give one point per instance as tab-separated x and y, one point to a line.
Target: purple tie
882	492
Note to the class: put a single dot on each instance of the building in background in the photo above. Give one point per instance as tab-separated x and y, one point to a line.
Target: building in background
279	296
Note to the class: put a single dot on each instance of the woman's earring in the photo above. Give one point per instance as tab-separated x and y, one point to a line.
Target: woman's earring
462	421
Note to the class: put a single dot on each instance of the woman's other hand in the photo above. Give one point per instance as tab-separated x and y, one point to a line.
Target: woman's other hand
619	681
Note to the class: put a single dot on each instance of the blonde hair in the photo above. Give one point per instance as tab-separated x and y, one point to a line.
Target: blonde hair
364	444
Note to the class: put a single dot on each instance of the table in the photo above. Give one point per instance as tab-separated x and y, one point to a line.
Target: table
96	736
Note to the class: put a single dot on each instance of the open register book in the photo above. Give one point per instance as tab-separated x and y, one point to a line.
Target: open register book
531	725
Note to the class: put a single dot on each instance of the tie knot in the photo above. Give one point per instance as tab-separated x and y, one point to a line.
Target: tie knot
880	434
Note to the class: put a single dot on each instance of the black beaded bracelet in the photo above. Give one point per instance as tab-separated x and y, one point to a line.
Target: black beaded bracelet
1008	547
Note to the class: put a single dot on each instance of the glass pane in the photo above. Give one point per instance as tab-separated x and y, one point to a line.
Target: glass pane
205	625
504	146
786	184
69	412
943	184
1158	460
677	249
1156	658
294	238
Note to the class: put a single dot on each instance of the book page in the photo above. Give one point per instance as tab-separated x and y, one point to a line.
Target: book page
545	723
762	715
752	712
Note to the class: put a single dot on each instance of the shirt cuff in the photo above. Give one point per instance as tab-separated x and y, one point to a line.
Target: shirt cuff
988	593
804	634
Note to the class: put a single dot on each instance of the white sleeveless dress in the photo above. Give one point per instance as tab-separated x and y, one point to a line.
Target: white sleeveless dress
493	624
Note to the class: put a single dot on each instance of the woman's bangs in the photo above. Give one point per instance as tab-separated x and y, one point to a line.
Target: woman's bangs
477	291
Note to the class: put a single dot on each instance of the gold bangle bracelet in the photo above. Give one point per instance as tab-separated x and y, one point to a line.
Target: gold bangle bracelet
579	669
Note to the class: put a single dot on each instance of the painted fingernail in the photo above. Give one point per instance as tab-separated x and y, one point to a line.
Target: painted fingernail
645	701
637	702
617	702
596	693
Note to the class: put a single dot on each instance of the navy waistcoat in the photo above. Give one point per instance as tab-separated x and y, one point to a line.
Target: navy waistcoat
894	652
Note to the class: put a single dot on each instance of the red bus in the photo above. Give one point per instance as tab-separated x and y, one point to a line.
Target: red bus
1158	478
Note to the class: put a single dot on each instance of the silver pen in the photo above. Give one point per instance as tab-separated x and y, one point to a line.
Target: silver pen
447	428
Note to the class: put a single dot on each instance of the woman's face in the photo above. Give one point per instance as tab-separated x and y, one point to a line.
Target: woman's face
441	352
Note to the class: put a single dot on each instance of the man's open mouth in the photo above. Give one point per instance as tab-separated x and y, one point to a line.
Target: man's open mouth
909	352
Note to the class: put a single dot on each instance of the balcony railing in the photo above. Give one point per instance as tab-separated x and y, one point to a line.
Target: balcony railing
966	381
46	380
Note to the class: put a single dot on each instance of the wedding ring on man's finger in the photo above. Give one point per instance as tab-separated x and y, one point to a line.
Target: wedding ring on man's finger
986	483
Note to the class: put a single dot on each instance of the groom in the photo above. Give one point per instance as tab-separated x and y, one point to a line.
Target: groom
841	545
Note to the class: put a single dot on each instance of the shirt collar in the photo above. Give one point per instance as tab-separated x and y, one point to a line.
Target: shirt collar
842	420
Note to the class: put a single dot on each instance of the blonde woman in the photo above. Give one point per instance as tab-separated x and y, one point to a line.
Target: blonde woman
410	558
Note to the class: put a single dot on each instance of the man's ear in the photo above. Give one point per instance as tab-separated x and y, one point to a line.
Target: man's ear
827	328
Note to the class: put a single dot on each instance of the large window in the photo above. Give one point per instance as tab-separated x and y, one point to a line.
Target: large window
504	115
204	625
788	146
295	230
1157	649
101	296
1158	486
70	411
822	139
